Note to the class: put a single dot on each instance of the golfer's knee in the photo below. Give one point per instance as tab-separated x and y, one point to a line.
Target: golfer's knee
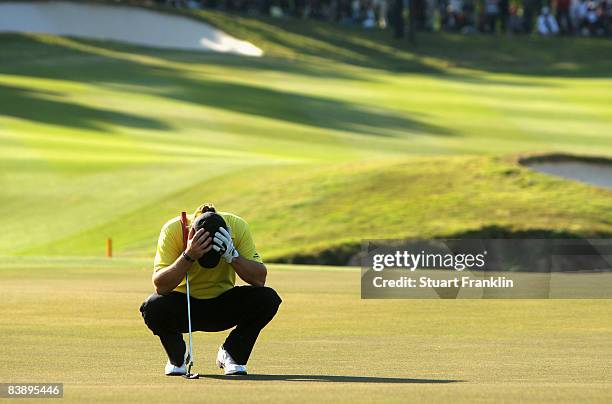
154	312
269	299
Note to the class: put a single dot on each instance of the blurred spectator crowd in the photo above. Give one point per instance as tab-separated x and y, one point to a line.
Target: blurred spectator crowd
568	17
557	17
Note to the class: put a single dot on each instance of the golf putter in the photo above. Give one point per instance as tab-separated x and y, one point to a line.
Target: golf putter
189	363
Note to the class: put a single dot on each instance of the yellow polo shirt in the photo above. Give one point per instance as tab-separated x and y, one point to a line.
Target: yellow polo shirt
204	283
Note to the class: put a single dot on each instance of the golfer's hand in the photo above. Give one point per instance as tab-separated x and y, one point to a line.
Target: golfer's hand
223	243
198	243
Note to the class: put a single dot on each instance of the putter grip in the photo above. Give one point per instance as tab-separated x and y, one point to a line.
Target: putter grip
184	227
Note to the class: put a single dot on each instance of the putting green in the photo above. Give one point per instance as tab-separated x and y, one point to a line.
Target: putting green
76	321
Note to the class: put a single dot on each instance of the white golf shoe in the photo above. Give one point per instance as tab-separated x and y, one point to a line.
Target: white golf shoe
172	370
227	363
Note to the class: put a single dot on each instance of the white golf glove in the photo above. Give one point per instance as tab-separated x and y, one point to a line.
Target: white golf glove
223	243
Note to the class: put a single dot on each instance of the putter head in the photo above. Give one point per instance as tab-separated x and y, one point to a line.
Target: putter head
190	375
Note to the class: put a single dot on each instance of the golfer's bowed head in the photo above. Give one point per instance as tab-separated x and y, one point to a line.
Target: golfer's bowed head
211	222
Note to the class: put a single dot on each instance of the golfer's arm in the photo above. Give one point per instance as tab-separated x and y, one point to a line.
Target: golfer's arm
166	279
252	272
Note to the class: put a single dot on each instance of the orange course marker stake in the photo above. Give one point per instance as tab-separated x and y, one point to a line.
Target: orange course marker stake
109	247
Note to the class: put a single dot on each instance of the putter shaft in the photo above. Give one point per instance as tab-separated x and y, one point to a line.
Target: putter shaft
190	362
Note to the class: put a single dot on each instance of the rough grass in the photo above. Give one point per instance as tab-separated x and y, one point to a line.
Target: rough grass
336	135
76	321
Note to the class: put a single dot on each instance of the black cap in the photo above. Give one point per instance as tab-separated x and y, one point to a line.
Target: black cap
211	222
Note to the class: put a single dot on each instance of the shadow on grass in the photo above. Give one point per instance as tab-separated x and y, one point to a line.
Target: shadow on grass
330	379
256	64
301	109
45	107
501	232
522	55
433	53
352	254
101	63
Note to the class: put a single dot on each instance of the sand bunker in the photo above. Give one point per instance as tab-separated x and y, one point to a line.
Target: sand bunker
118	23
597	172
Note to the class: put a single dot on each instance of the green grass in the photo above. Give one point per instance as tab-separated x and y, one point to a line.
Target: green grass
76	321
334	136
419	197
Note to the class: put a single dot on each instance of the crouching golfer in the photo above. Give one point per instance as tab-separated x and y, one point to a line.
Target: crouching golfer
213	260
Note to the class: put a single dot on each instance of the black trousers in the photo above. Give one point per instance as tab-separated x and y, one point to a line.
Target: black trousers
248	308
